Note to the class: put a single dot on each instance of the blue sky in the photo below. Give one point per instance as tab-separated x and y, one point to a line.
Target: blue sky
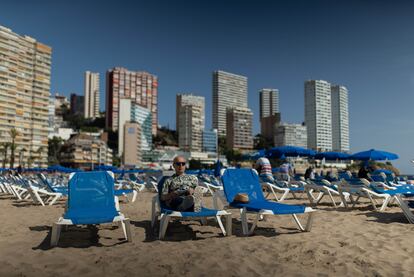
367	46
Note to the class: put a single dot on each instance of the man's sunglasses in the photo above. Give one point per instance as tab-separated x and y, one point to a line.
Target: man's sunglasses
180	163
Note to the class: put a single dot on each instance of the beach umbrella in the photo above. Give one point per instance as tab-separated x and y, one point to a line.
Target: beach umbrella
289	151
332	156
374	155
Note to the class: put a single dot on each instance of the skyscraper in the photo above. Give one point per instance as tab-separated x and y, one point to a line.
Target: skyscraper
326	116
24	94
190	121
318	114
141	87
91	94
134	113
77	104
340	118
239	128
229	90
269	102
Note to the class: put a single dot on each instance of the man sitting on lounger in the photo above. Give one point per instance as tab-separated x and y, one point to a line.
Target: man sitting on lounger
180	192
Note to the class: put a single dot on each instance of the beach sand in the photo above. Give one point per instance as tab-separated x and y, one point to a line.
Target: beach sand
355	242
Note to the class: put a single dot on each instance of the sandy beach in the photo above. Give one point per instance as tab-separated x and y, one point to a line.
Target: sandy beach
356	242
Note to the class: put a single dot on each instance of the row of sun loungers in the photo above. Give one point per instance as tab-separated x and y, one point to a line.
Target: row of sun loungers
92	198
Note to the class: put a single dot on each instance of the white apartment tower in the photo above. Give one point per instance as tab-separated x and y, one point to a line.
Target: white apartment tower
269	102
190	121
318	114
24	96
229	91
91	94
340	118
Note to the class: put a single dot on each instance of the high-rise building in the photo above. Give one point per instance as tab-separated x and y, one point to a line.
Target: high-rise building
340	118
77	104
326	116
190	121
132	137
140	87
268	126
290	134
269	102
51	121
143	117
91	94
24	94
124	116
229	90
239	128
318	114
131	112
210	140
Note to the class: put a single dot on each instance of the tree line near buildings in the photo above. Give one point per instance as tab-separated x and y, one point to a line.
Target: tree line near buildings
12	146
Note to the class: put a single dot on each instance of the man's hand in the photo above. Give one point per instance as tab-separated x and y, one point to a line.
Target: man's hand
168	197
190	191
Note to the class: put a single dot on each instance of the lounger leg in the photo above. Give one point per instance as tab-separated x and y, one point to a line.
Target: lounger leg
310	197
55	234
332	199
134	195
54	199
385	203
228	224
309	223
319	197
164	224
284	195
117	203
221	225
244	221
298	222
126	224
274	194
154	214
254	224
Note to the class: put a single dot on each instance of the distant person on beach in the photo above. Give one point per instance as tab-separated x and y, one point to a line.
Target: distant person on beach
363	173
309	173
285	171
180	192
264	168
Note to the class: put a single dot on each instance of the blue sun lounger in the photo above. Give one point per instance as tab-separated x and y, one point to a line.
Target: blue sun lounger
247	181
91	201
165	214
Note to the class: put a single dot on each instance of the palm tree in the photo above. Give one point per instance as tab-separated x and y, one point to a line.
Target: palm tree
13	134
5	146
38	152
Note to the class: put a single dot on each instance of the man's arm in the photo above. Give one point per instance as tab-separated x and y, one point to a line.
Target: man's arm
165	195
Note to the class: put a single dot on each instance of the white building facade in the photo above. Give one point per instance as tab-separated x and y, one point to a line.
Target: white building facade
269	102
318	115
340	119
291	134
190	122
91	94
229	91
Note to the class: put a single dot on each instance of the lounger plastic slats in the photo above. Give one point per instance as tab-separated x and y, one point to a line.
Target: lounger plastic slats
91	197
246	181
